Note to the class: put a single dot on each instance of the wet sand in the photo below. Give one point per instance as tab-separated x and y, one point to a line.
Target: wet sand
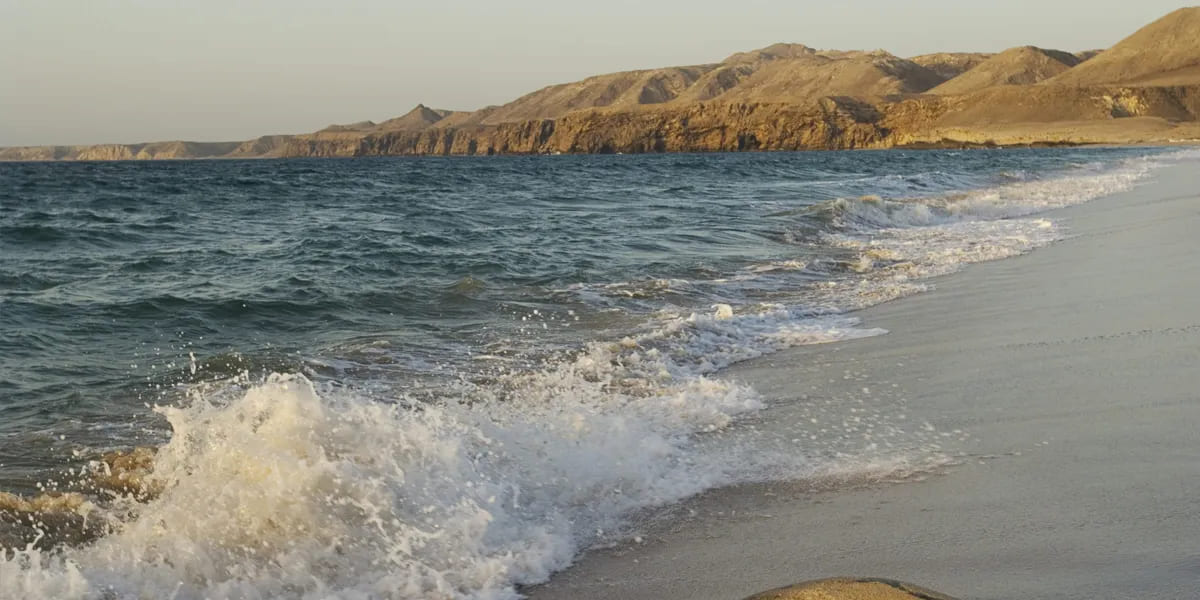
1075	373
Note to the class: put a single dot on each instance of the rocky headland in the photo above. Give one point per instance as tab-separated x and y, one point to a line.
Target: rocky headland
1145	89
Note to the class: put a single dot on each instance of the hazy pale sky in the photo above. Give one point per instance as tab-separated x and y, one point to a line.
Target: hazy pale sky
92	71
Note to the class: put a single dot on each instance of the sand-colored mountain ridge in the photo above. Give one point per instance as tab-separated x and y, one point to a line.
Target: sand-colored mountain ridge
1165	52
1025	65
788	97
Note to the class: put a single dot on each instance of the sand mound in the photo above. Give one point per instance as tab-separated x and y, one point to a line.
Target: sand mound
949	65
1165	52
1025	65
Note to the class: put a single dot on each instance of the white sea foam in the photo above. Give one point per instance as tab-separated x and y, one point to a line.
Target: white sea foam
1001	202
898	244
285	488
289	489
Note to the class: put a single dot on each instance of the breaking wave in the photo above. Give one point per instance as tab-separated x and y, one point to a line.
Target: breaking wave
285	487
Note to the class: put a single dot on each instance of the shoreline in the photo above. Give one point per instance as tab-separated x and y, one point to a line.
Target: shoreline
946	144
1071	371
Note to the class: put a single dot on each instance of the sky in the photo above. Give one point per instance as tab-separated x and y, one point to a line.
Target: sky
126	71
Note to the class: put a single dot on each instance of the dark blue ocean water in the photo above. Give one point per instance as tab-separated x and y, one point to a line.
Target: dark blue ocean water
444	378
120	281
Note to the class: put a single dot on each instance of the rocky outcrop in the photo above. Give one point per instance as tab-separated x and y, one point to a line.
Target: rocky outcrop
949	65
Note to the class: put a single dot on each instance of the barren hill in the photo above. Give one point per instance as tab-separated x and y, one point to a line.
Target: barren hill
1025	65
180	149
772	52
786	51
359	126
617	90
779	73
1165	52
805	79
467	118
267	146
417	119
949	65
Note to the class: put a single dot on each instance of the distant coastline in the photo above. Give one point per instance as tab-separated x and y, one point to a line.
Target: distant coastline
1144	90
942	144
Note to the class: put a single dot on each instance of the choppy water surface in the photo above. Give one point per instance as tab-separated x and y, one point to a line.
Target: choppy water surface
444	377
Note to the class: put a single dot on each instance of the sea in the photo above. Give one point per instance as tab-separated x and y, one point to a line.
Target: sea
449	377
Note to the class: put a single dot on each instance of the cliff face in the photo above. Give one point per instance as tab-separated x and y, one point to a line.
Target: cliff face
1003	115
835	123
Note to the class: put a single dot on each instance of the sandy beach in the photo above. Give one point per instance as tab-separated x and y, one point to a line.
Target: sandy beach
1072	373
